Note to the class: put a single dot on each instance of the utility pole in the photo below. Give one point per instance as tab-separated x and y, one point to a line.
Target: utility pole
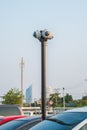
22	66
43	36
56	90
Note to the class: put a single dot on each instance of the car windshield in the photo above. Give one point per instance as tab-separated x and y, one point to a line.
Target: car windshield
63	121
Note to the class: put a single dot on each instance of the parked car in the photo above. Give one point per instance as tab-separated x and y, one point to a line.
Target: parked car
6	119
75	119
28	113
21	124
7	110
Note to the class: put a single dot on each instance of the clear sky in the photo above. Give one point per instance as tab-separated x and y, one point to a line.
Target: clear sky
66	52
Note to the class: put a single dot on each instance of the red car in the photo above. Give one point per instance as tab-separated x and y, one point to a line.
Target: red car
9	118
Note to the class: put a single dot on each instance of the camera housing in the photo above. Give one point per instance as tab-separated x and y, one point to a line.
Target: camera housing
43	35
46	34
37	34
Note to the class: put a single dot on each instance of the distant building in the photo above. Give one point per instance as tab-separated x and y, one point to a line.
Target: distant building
49	91
29	94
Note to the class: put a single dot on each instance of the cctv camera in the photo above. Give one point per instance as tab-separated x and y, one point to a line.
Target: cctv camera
37	34
46	34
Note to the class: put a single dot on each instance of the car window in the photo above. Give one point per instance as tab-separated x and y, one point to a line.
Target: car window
5	111
84	127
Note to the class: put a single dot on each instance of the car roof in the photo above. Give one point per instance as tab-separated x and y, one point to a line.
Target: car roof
30	118
81	109
13	116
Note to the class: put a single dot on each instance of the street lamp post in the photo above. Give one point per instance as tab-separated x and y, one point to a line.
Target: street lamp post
43	36
56	90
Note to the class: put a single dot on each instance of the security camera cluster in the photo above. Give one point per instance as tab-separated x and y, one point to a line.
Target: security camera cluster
43	35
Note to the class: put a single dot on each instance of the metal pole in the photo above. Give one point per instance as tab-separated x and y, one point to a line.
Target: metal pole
43	78
43	36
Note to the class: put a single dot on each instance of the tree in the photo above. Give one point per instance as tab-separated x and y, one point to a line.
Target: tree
68	98
84	98
55	98
13	96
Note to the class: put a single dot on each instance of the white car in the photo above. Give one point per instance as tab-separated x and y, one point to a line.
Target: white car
75	119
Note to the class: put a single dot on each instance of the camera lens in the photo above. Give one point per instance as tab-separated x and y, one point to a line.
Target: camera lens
46	33
34	34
